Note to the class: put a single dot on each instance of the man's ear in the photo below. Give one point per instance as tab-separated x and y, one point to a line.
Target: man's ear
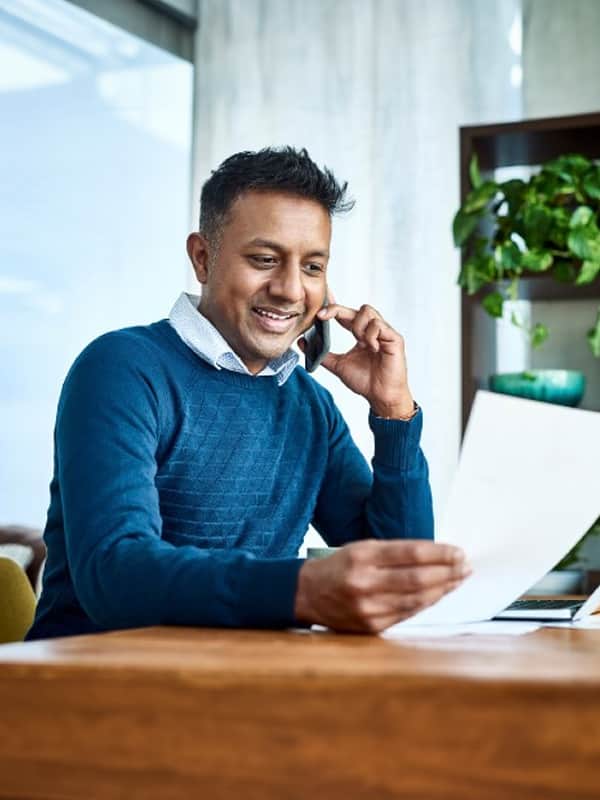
198	253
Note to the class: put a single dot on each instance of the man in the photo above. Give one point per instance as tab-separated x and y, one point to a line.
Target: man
192	454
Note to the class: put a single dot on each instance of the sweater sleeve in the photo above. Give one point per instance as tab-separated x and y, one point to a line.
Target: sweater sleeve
392	501
124	574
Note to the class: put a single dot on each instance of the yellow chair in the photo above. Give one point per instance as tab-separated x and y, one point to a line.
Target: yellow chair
24	536
17	602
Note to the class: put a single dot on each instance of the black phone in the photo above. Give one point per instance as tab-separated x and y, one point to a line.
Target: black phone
316	343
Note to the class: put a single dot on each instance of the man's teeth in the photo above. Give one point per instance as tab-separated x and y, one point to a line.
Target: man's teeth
272	315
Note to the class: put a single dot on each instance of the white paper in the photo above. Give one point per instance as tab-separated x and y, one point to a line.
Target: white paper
591	623
526	490
490	628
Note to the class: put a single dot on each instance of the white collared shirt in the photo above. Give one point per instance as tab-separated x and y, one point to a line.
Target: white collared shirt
204	339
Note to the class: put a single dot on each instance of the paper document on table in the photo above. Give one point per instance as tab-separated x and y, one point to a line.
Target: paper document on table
526	490
488	628
589	623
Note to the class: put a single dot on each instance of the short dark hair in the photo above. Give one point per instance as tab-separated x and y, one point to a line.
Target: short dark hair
283	169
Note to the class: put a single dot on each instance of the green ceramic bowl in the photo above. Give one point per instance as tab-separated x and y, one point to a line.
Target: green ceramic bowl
562	386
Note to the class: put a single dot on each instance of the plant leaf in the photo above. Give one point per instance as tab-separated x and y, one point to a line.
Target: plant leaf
589	271
474	173
516	320
536	260
509	255
493	304
463	226
537	224
560	228
581	217
591	183
568	166
584	242
593	337
539	334
479	198
477	271
550	186
576	163
513	191
564	272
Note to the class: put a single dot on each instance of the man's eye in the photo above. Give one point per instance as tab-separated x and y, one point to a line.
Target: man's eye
316	268
264	261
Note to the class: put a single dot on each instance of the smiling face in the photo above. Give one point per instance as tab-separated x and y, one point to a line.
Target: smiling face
265	281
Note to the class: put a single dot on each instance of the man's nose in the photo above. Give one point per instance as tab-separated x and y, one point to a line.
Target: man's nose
287	284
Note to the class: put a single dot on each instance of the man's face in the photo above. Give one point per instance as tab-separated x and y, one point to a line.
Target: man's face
265	281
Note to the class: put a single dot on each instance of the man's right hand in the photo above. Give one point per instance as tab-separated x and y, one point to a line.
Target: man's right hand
367	586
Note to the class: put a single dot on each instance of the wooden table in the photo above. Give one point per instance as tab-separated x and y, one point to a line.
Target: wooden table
189	713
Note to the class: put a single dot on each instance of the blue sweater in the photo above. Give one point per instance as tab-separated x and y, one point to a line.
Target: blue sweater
181	493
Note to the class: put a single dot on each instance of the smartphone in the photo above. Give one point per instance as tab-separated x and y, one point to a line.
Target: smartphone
317	343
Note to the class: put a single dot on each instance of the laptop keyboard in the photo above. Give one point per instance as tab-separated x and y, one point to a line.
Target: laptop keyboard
534	605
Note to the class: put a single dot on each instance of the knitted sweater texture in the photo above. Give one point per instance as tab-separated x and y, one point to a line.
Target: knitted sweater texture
181	493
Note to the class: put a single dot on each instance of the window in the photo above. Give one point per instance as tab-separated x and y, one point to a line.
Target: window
95	189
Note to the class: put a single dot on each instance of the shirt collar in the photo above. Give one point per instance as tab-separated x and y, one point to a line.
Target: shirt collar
204	339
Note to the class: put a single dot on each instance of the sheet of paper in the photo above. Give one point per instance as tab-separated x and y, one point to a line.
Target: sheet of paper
591	623
526	490
490	628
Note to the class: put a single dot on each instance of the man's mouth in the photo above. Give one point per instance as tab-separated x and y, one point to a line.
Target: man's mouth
274	320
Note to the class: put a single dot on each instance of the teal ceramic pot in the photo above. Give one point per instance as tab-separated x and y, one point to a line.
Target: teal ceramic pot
562	386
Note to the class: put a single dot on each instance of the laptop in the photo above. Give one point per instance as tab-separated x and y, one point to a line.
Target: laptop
547	608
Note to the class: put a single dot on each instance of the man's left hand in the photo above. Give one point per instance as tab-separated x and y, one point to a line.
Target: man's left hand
376	366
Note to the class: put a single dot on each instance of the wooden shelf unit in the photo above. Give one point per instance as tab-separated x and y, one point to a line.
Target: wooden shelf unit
527	143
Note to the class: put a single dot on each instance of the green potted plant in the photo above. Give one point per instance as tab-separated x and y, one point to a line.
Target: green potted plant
514	229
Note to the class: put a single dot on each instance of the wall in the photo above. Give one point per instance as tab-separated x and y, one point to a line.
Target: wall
561	57
377	91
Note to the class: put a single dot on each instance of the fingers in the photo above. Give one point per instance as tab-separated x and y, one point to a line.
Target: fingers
390	611
412	580
405	605
408	552
399	577
369	336
366	586
415	574
368	327
373	613
349	318
371	330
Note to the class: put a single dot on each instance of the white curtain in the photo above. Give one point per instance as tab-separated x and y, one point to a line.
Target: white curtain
376	90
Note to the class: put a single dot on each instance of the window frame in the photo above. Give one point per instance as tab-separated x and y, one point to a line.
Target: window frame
168	24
